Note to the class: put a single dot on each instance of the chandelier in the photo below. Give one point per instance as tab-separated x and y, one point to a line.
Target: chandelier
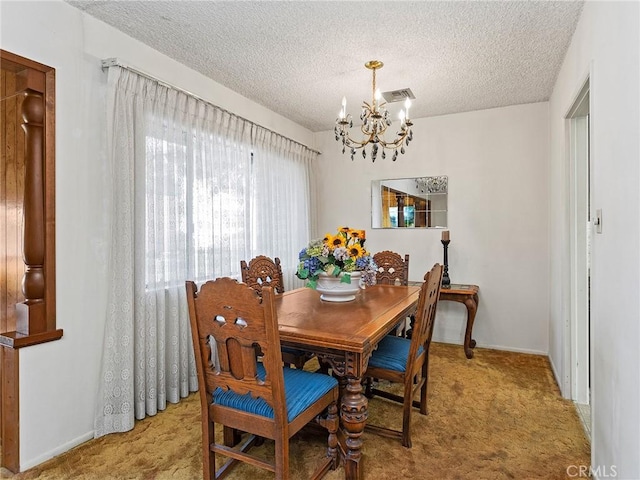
375	121
432	184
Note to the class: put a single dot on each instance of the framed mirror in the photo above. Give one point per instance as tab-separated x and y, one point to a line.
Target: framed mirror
419	202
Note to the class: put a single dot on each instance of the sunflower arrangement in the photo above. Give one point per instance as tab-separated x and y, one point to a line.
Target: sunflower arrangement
338	254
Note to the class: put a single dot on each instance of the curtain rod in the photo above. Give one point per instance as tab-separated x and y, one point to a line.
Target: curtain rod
116	62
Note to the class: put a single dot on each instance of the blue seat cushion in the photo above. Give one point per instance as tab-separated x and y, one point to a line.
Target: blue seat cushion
392	354
301	390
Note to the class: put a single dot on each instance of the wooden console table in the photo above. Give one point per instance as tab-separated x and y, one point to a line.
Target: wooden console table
467	294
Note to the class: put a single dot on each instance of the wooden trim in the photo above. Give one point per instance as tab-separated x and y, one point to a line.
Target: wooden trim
10	410
16	63
36	316
19	340
39	317
50	200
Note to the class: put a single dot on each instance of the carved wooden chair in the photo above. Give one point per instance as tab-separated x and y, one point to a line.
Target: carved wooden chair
406	361
228	321
260	272
393	270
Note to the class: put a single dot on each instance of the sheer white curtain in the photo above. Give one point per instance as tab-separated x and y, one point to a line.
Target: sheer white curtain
180	193
282	200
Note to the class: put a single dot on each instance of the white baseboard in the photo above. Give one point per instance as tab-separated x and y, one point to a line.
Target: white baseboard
495	347
25	465
554	370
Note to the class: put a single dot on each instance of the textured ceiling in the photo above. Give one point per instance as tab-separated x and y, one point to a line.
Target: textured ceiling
299	58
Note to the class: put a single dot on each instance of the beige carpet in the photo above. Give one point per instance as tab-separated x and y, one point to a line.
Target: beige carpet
497	416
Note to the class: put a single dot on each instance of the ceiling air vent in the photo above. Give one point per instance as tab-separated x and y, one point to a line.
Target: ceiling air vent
398	95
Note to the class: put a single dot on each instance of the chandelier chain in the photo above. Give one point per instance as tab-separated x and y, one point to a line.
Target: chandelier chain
373	88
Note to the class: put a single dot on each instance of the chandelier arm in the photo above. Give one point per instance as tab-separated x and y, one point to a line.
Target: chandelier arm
396	143
350	142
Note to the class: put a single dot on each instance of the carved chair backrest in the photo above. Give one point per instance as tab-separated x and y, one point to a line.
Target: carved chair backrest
392	269
425	313
263	272
233	319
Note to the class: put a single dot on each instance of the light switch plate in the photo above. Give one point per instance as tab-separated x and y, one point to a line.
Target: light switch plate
597	221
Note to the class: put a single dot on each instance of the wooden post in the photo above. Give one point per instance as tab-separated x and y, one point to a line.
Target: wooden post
31	315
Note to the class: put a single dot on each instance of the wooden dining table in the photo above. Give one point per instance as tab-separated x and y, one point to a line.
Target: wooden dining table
343	336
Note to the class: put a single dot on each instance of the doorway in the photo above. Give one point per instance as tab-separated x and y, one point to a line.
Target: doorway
580	232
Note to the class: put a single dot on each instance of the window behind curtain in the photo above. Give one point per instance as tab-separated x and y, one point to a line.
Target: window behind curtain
214	197
281	199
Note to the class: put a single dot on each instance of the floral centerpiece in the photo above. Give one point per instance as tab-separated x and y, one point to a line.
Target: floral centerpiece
337	255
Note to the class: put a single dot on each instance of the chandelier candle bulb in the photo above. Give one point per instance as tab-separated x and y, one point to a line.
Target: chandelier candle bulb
407	104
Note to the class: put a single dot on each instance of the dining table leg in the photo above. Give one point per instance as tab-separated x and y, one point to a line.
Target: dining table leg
353	412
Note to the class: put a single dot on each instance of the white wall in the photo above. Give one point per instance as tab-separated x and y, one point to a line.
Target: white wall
606	43
499	215
496	161
58	380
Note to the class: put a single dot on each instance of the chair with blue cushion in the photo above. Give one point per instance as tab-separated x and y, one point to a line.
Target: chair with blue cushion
393	270
406	361
230	323
260	272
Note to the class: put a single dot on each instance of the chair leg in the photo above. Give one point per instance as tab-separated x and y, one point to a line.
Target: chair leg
332	426
423	391
282	457
208	457
231	436
406	419
425	381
